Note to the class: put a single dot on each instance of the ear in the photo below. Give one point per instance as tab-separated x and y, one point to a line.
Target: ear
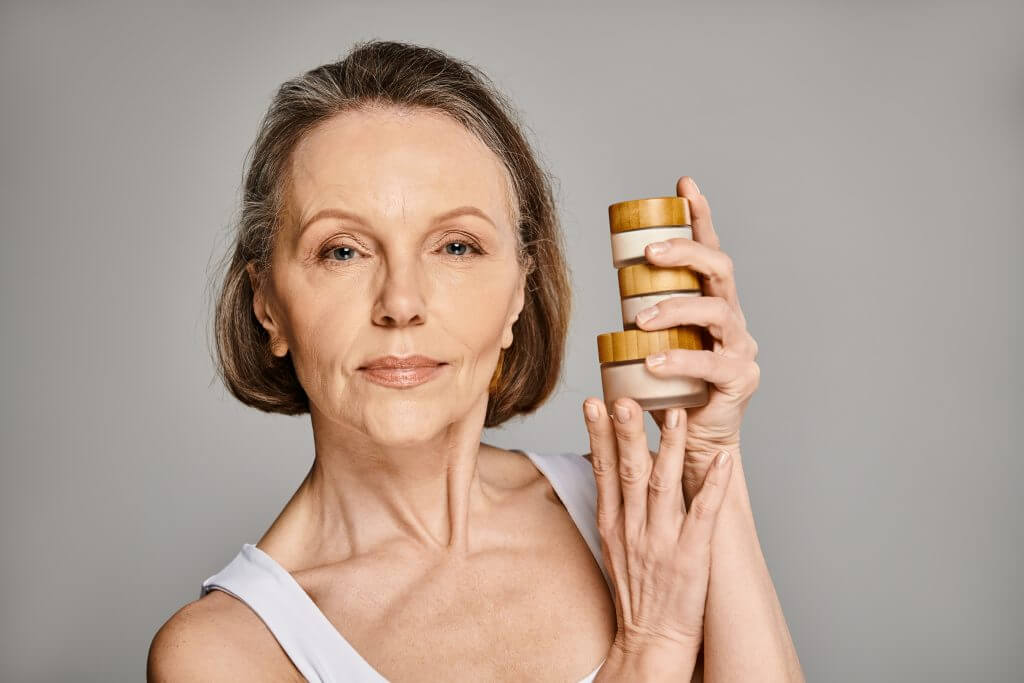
517	308
278	344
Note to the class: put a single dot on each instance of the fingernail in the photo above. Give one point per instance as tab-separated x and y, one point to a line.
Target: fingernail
646	314
658	247
591	410
622	414
672	419
723	457
695	185
655	359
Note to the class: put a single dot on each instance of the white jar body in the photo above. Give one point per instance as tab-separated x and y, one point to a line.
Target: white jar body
628	246
632	305
634	380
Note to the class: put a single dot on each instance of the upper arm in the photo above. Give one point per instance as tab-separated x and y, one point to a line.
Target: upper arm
197	645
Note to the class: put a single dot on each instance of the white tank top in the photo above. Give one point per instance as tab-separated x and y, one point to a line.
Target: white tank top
317	649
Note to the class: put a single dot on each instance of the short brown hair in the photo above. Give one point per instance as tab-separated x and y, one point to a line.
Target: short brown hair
386	74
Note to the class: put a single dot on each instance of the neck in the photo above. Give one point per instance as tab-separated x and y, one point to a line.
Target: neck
362	497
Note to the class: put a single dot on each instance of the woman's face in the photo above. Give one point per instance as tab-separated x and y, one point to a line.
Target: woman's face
394	277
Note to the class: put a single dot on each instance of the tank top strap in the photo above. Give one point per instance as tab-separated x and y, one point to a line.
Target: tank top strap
572	479
316	648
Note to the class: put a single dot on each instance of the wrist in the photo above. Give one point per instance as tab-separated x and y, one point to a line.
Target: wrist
704	451
697	463
649	664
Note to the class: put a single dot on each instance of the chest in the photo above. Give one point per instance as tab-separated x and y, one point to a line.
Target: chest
526	612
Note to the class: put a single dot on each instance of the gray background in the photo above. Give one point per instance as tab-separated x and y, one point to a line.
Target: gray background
863	162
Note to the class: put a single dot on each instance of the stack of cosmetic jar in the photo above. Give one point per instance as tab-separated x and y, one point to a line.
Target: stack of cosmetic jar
635	224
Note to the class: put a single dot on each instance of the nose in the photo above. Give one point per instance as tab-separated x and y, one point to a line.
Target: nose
401	298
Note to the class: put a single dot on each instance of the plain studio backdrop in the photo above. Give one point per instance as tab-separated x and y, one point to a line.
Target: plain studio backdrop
863	162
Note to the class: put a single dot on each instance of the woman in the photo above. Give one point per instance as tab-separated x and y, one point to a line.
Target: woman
398	275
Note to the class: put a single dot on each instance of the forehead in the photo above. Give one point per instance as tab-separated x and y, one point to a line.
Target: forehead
389	163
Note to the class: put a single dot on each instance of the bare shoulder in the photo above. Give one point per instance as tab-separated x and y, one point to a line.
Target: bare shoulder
216	638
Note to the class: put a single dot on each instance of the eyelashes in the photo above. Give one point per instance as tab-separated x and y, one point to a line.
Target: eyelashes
326	253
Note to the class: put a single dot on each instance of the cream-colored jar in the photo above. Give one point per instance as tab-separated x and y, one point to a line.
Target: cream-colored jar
638	222
624	373
643	285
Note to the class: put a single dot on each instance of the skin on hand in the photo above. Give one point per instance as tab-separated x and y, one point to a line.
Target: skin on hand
648	575
658	556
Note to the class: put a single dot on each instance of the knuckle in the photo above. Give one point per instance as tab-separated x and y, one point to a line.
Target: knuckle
659	485
601	464
632	471
728	267
672	438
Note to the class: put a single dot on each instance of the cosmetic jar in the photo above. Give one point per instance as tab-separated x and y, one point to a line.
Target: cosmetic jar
643	285
638	222
624	373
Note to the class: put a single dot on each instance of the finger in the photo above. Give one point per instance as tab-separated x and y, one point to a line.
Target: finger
704	233
714	265
634	464
665	499
712	312
699	523
700	212
734	376
605	462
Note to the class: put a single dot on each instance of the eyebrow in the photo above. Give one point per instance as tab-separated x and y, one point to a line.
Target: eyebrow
340	213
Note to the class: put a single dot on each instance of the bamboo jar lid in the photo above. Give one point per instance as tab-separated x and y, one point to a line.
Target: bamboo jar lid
642	278
649	213
638	344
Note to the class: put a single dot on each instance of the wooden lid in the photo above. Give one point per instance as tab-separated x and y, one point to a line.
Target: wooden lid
651	212
638	344
643	278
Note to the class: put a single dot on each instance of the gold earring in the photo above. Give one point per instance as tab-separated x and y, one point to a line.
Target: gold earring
492	388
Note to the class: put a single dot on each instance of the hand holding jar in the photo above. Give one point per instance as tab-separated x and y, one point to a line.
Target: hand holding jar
729	367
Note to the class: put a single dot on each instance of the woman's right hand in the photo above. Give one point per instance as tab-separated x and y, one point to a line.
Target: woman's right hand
658	556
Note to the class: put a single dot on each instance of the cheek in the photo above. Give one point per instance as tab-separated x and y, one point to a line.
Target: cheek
473	310
326	329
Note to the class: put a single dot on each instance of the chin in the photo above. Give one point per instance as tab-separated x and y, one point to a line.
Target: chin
399	427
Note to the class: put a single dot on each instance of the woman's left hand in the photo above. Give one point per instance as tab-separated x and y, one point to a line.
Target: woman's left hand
730	368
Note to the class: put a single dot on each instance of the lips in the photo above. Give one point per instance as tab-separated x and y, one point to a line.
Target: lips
401	362
402	372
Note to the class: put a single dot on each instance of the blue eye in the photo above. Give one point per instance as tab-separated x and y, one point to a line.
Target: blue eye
462	244
334	249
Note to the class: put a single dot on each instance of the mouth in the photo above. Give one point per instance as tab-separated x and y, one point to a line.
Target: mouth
401	378
402	372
